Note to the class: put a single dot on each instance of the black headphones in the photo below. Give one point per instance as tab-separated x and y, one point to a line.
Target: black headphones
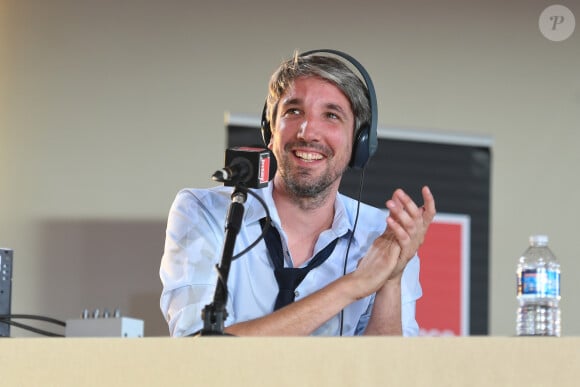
365	139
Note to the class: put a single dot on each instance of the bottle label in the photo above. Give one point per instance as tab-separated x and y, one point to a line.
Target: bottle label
540	283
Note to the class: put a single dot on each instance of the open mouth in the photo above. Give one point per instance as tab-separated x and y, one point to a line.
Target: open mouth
308	156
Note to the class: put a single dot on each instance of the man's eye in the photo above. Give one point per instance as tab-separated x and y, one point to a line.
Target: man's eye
292	111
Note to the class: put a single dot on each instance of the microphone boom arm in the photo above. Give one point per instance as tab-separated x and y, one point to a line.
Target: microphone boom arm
215	314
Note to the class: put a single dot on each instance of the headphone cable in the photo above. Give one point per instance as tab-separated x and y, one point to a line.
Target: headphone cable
361	183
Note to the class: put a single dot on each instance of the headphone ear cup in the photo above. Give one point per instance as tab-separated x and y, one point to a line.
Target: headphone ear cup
265	127
266	133
360	148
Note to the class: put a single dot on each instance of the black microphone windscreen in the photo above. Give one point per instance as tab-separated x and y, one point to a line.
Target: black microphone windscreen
258	159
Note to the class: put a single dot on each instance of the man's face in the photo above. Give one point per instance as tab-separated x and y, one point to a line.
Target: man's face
313	135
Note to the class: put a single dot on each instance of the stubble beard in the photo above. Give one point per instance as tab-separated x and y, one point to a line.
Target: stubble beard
307	190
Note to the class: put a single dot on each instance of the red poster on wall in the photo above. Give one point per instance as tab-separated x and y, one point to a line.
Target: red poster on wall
443	310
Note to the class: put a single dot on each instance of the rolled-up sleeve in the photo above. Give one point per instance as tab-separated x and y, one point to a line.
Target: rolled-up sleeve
410	292
187	269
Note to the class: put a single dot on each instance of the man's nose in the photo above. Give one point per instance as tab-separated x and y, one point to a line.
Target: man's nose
308	129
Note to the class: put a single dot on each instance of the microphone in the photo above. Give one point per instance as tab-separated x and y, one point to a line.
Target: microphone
247	166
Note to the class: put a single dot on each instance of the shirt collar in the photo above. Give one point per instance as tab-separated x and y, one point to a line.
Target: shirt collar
256	211
341	225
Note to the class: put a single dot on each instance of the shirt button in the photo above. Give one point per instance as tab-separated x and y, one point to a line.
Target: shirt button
296	293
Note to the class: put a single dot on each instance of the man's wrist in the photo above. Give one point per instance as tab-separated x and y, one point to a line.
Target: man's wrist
393	283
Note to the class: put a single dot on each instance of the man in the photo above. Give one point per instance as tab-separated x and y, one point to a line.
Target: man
368	281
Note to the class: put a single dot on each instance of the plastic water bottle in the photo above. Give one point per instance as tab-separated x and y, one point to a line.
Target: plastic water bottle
538	280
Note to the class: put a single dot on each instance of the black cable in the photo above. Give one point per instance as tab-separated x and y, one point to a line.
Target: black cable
33	317
361	183
30	328
264	230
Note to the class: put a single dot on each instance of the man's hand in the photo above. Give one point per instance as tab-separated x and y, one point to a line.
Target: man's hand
408	224
391	251
375	268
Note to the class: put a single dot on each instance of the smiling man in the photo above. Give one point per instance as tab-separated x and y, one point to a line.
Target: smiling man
313	140
356	277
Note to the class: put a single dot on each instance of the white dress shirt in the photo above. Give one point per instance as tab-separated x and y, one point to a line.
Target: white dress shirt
193	247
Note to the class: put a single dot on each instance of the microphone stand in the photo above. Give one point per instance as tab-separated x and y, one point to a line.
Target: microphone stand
215	314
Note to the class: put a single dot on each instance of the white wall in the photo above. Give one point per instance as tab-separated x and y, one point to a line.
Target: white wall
109	107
